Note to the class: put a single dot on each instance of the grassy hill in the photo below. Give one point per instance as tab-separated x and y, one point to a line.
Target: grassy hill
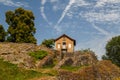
10	71
23	61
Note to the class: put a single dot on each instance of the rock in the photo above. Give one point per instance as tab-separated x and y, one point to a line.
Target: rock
27	63
103	70
67	75
84	59
77	59
48	60
65	61
16	53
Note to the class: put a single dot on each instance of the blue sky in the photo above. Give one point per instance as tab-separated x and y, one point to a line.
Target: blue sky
90	22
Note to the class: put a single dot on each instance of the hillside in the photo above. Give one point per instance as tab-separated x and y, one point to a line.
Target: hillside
51	65
102	70
17	53
10	71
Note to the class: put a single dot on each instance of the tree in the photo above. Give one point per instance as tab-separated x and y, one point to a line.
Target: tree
2	34
21	26
48	43
113	50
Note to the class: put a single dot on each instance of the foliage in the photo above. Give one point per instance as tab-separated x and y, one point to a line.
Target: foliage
38	54
10	71
104	57
21	26
113	50
2	34
48	43
86	51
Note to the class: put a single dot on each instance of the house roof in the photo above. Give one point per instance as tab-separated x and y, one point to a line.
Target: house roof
64	35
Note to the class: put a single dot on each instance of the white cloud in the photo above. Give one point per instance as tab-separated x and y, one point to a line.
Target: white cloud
52	1
112	17
58	6
11	3
102	3
81	3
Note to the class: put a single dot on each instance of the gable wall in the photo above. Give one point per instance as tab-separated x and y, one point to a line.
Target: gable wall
68	41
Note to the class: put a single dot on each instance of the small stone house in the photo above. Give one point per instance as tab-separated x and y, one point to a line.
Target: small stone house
65	44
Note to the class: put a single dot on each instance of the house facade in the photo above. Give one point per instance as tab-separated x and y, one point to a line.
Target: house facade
65	44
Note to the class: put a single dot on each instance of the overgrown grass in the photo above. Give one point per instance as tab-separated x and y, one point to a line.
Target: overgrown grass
50	66
48	71
117	78
10	71
38	54
71	68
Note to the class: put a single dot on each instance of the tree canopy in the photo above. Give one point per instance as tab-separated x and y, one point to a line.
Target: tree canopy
113	50
21	26
2	34
48	43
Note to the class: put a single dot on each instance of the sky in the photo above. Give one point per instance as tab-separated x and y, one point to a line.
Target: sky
92	23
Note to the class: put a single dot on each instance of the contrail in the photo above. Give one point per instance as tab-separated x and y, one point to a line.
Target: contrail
42	11
63	15
100	30
43	2
65	11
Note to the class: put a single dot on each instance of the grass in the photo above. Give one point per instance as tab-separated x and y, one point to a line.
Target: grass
10	71
50	66
117	78
38	54
48	71
70	68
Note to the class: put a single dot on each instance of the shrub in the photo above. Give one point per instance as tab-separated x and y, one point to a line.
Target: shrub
48	43
38	54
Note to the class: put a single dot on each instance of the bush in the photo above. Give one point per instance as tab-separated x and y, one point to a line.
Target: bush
38	54
48	43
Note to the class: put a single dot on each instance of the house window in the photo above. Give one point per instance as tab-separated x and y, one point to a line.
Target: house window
70	45
58	45
64	45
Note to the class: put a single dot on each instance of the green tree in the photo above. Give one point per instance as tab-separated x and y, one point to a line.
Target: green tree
2	34
113	50
48	43
21	26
